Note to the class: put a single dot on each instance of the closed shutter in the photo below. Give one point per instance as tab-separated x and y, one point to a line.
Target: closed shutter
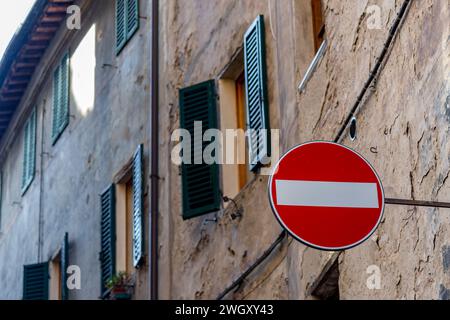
200	182
64	266
256	94
108	237
61	98
127	21
138	207
35	282
29	152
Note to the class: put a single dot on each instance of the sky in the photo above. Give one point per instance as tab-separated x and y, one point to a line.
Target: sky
12	14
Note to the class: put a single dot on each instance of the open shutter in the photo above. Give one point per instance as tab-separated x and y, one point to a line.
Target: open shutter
64	266
127	21
200	182
256	94
56	102
108	237
35	282
29	152
64	113
138	207
32	162
132	17
120	25
26	148
61	98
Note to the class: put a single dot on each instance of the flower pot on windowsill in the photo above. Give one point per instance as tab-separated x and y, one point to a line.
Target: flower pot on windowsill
120	286
120	293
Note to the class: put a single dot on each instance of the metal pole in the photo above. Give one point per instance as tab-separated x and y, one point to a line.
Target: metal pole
417	203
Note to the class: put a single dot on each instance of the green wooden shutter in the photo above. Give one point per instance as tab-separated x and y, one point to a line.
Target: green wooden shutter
138	207
32	162
61	98
200	182
64	114
26	148
56	102
35	282
127	22
108	237
256	94
120	25
132	17
29	152
64	266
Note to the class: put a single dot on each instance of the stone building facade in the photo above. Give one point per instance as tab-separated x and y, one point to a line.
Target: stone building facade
385	63
107	121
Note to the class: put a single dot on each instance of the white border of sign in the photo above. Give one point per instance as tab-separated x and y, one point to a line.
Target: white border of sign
304	241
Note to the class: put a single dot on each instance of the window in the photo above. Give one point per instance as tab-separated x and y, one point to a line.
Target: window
60	98
320	42
29	152
122	222
35	282
55	278
124	225
326	287
127	22
235	170
243	95
58	272
129	217
318	23
240	111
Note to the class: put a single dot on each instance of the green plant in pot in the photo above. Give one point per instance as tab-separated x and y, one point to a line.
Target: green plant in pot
120	286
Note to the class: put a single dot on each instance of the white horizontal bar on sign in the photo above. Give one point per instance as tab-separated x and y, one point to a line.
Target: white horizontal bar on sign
327	194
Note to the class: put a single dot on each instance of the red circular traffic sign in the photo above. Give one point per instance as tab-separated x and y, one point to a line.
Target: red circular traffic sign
326	195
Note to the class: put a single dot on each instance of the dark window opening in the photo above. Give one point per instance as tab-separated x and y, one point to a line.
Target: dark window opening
318	23
327	287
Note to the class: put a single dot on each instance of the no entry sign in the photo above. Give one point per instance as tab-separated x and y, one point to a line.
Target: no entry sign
326	195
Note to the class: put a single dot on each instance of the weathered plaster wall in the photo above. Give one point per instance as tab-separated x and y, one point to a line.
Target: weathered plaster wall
402	131
404	121
19	221
91	151
408	126
205	257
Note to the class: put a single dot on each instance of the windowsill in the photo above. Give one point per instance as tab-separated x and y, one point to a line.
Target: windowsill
312	67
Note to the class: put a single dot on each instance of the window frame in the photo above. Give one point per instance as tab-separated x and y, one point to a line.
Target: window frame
318	23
